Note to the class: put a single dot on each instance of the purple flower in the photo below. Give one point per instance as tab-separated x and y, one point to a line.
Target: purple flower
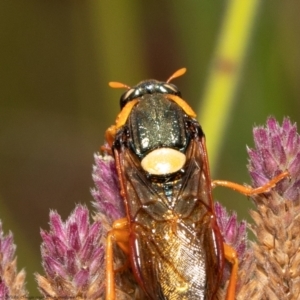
12	284
7	248
7	251
277	149
4	291
107	196
273	271
233	232
72	257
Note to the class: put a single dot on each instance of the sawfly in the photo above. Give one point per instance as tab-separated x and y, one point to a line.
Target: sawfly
170	233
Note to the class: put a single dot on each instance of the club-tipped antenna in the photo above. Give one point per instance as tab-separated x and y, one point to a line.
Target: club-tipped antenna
118	85
178	73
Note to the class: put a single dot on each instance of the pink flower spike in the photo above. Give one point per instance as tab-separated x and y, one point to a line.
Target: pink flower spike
273	272
57	225
12	283
4	291
277	149
66	261
107	196
81	278
233	232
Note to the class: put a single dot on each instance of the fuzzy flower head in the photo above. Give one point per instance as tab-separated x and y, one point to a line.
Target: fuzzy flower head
277	149
234	233
107	196
11	283
72	257
7	249
274	271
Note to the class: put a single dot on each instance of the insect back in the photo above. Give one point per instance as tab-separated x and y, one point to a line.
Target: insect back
158	135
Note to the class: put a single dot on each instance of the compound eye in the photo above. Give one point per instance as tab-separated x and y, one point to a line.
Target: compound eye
126	97
128	93
171	87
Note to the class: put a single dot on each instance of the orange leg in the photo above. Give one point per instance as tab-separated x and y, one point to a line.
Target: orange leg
231	256
248	191
110	134
229	252
106	149
120	235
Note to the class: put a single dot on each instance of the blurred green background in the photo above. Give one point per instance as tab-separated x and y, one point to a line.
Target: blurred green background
56	58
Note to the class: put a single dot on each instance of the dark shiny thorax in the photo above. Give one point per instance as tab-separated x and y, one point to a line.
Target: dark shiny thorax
157	122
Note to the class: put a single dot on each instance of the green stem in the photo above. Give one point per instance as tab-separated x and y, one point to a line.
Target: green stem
225	72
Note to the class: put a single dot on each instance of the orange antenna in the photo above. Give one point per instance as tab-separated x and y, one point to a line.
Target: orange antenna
178	73
118	85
